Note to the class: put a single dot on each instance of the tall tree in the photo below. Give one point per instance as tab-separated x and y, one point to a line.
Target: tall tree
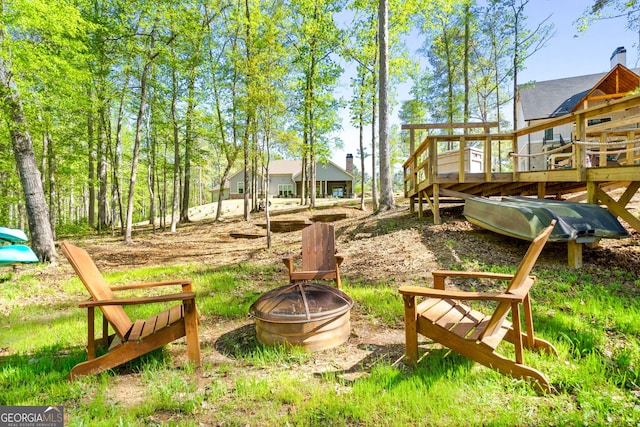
314	38
386	185
40	44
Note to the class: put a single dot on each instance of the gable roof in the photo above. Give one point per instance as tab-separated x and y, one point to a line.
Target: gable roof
291	168
285	167
554	98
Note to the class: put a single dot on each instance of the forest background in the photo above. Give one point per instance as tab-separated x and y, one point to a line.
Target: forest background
123	111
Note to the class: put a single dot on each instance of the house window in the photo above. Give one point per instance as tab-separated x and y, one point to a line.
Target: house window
285	190
592	122
548	134
241	188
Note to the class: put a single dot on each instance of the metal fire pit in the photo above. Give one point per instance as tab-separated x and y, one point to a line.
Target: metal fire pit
308	315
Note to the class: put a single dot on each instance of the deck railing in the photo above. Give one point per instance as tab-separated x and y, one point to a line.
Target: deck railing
590	147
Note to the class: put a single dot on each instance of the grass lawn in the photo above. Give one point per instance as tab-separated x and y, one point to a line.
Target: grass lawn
590	316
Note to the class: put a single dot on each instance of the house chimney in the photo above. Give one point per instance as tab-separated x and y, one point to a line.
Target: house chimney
619	56
349	167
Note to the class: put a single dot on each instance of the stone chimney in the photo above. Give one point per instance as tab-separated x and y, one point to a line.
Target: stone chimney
619	56
349	167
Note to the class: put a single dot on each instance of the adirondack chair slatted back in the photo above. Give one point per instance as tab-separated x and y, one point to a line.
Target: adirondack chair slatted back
318	247
89	274
521	282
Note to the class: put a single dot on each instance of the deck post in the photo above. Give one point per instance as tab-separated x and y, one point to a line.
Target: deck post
602	150
542	190
629	155
487	155
579	151
414	165
574	254
462	144
591	192
436	204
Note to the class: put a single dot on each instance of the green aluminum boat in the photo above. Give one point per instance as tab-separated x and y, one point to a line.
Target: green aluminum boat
525	217
16	254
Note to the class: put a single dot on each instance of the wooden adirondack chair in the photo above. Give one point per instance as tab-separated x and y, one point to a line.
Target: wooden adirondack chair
319	257
443	317
131	339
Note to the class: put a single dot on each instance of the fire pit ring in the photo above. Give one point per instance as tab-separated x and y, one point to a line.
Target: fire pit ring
309	315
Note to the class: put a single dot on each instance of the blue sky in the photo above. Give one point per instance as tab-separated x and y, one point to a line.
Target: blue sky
568	54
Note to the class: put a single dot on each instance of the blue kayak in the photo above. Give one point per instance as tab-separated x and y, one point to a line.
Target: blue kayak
13	235
16	254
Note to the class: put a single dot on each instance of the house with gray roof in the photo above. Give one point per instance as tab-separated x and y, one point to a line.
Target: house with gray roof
285	180
539	101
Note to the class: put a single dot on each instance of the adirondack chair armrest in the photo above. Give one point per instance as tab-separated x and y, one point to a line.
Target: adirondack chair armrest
472	274
418	291
183	296
339	258
185	283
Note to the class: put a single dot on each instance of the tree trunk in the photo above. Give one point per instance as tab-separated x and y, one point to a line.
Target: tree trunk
151	180
186	191
361	139
51	177
117	217
37	209
102	175
175	206
136	146
386	186
374	186
92	174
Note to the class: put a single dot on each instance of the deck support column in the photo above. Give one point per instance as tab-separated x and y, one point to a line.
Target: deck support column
591	192
574	254
435	207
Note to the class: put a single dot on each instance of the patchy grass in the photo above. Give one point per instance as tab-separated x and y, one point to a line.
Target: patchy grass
590	316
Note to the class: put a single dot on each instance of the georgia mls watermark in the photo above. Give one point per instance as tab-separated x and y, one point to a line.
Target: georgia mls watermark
31	416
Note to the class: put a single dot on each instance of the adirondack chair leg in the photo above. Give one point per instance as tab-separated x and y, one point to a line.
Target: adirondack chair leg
410	328
191	329
538	343
528	319
91	347
515	313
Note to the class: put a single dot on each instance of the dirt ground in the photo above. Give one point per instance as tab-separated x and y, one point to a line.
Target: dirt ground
395	248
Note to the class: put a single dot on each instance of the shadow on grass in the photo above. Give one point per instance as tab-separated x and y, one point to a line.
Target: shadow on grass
435	363
239	343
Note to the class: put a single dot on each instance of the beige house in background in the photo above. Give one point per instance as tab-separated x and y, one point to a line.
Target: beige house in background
285	180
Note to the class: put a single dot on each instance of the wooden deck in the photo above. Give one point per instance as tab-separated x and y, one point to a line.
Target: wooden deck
584	173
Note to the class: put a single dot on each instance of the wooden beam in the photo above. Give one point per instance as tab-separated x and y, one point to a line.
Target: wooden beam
617	123
618	209
629	193
427	126
451	193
